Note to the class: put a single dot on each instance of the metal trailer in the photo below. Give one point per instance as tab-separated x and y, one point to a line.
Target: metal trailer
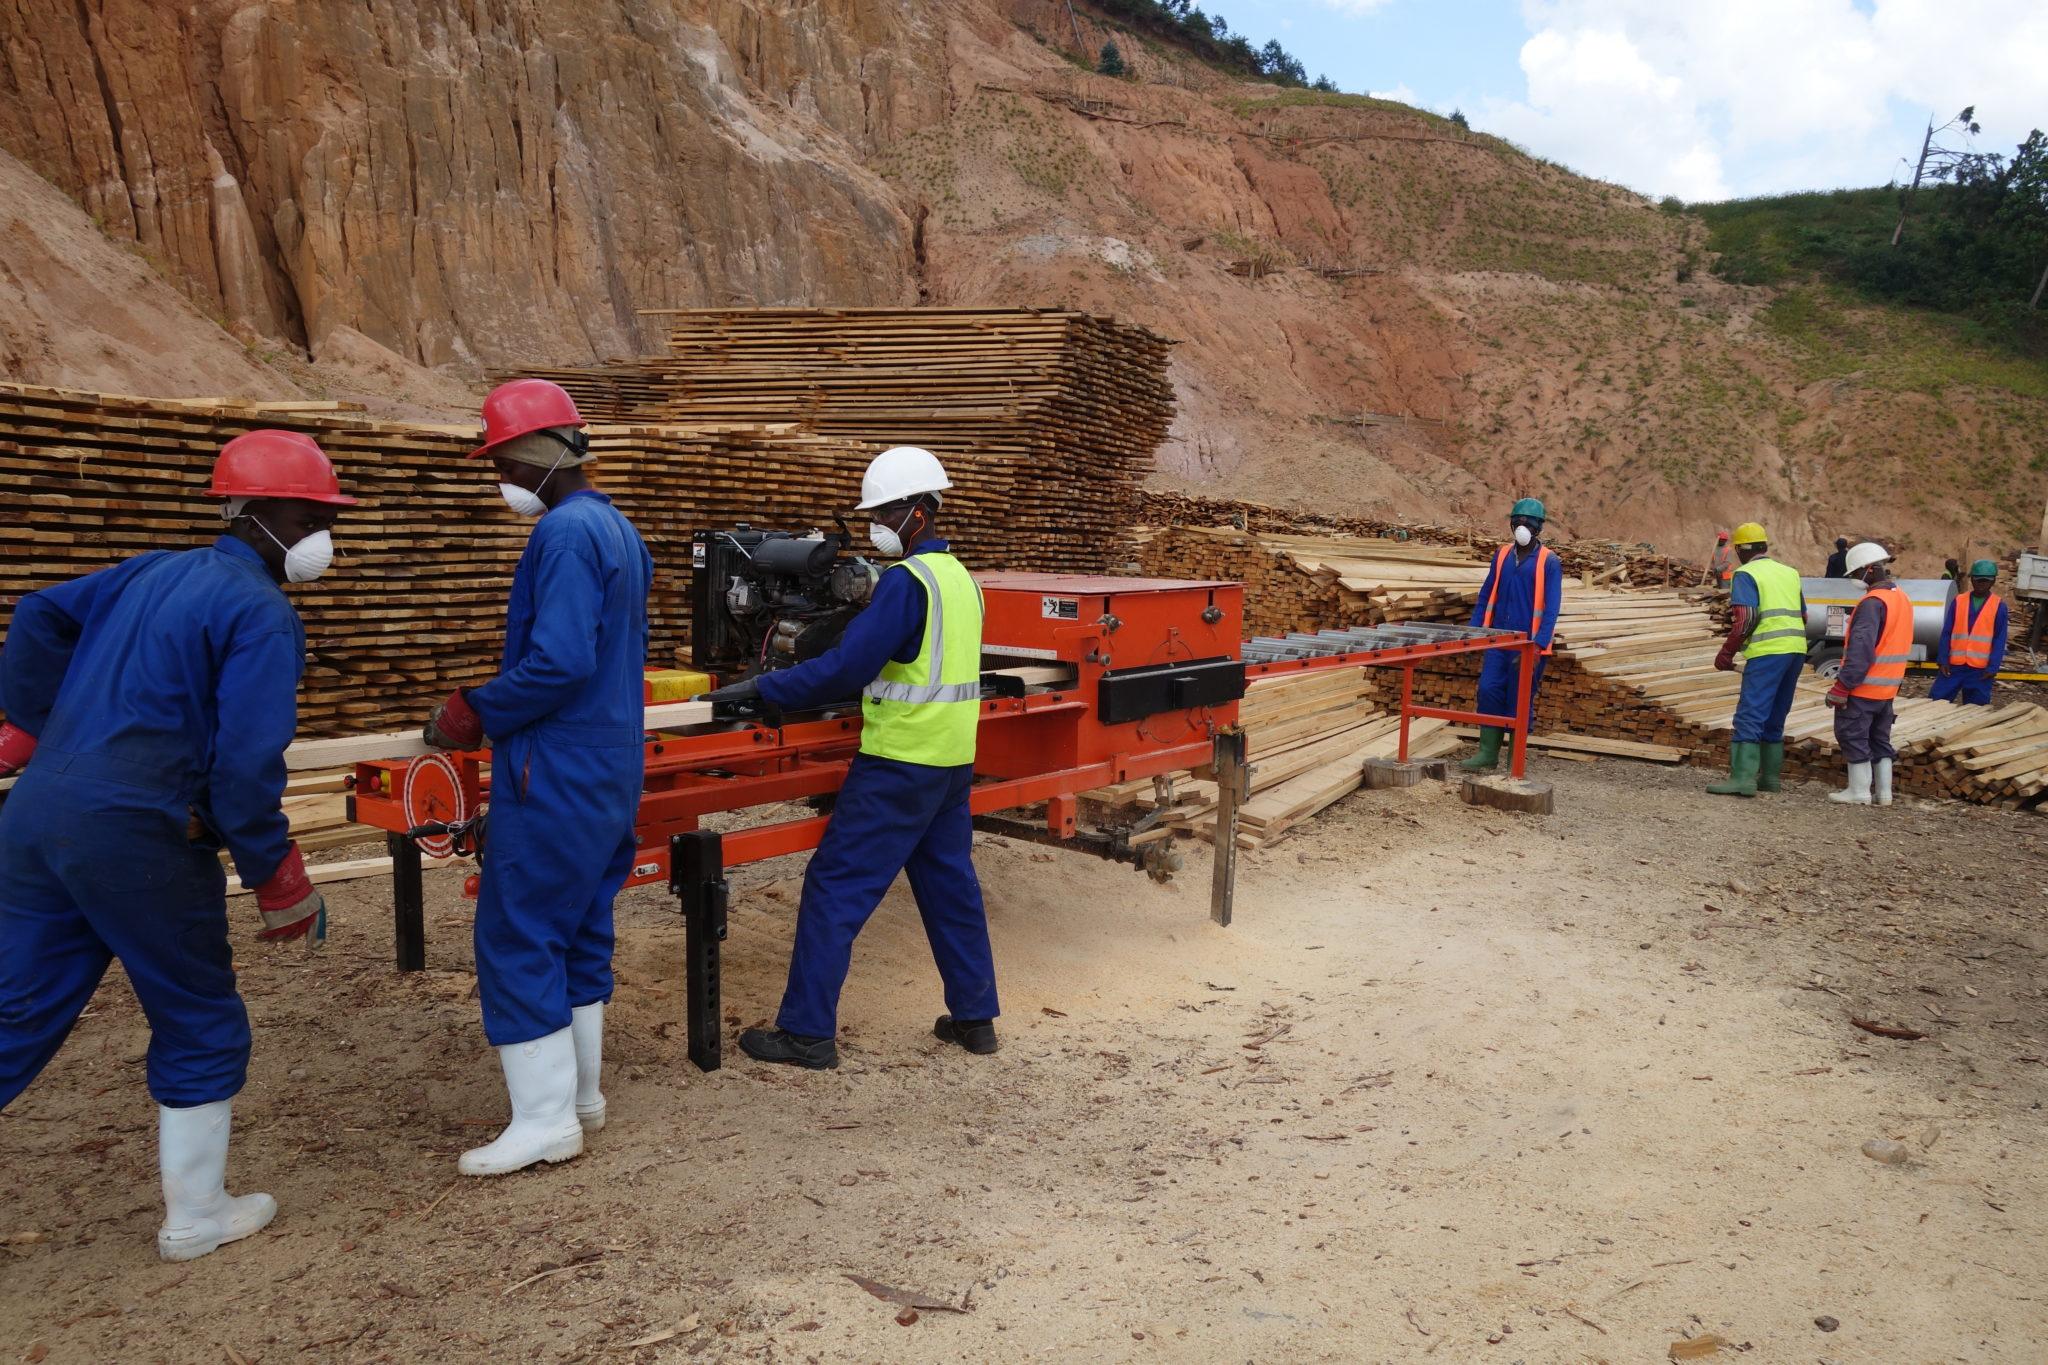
1830	600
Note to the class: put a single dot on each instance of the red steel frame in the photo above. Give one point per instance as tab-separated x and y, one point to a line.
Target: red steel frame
1405	657
690	776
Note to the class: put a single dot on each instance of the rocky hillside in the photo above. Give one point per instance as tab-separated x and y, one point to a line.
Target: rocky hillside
1379	312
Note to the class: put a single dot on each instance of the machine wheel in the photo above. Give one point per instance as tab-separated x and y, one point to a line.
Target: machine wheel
1827	664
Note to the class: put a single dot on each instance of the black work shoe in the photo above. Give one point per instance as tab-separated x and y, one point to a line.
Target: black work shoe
976	1035
791	1049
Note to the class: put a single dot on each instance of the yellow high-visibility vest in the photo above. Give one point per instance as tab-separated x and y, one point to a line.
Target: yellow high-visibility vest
928	710
1780	624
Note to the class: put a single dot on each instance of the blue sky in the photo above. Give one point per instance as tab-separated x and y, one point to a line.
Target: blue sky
1705	99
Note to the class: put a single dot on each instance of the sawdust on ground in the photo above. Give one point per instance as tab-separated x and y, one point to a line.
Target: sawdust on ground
1456	1084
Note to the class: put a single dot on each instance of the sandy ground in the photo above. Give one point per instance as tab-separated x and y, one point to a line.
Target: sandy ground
1456	1084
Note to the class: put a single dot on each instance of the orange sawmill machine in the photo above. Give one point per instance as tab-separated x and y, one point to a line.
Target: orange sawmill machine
1088	680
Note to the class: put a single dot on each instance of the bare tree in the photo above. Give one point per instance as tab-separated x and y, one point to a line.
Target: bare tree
1940	161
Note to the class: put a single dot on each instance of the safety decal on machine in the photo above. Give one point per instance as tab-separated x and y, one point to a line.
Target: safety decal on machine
697	555
1060	608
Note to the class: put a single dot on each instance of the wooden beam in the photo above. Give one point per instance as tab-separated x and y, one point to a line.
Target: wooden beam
353	749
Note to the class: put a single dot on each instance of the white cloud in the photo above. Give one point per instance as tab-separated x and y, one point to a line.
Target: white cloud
1400	94
1354	6
1752	96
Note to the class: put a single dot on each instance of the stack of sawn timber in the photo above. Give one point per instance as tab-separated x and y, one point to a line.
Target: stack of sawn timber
1307	736
1662	647
1047	421
414	605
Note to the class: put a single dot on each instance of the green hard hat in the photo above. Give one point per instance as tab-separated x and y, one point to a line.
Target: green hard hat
1983	568
1527	507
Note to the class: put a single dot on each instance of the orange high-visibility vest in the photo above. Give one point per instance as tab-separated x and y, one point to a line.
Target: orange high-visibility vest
1500	560
1969	642
1894	645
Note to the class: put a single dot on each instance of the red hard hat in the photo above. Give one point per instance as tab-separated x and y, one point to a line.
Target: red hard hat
276	464
522	407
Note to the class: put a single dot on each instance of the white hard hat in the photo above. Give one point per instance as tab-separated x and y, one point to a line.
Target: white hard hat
901	472
1863	556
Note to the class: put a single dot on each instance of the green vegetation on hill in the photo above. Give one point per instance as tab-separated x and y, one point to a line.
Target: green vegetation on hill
1210	38
1973	250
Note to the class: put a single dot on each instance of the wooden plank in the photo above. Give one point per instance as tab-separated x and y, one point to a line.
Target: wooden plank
349	750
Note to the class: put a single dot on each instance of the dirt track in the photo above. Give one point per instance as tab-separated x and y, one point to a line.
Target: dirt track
1457	1085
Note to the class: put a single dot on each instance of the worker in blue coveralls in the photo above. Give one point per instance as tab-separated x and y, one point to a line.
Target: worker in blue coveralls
1973	632
566	720
914	656
1768	630
148	709
1523	590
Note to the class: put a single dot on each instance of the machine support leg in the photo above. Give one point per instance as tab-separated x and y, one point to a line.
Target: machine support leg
1525	723
697	875
408	904
1231	783
1407	699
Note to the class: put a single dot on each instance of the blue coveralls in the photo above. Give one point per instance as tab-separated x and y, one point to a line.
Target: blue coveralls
1770	682
1499	675
1969	686
161	689
566	718
890	815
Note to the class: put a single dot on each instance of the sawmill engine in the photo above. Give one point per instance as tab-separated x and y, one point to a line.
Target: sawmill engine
763	600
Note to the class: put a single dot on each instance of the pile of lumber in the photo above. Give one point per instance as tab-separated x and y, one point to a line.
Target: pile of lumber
1296	582
1596	562
1307	736
1639	667
1046	420
414	605
1986	754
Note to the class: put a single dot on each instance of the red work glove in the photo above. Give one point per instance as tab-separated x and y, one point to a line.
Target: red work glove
1837	696
456	725
289	904
1725	660
16	744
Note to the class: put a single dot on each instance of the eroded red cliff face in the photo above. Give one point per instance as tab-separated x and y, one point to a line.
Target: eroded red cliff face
480	183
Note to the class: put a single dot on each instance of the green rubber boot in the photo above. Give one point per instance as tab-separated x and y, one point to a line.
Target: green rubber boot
1772	763
1488	757
1742	766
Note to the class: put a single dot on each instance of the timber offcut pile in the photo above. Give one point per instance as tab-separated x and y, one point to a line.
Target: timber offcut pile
1979	753
1307	736
1599	562
1297	582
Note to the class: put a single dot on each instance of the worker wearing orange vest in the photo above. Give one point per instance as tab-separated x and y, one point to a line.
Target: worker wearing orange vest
1972	641
1879	645
1523	591
1722	566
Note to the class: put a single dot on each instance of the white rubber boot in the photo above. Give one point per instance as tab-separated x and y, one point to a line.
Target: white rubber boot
199	1213
1857	793
586	1023
540	1078
1881	789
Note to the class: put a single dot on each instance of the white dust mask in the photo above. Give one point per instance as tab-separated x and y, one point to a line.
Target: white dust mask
306	560
1522	536
528	504
525	503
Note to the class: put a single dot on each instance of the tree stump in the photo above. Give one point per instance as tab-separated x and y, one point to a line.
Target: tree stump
1508	793
1381	773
